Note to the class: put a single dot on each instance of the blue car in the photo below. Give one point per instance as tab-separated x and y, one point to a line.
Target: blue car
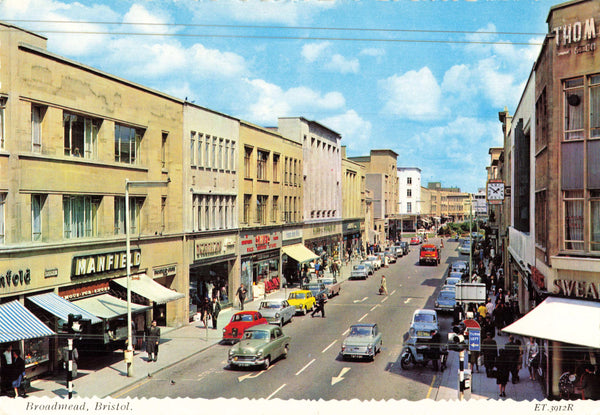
446	300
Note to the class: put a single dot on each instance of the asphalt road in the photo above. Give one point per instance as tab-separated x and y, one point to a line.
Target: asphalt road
313	368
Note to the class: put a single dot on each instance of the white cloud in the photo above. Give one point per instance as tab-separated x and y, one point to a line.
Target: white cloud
375	52
312	51
139	14
355	131
340	64
414	95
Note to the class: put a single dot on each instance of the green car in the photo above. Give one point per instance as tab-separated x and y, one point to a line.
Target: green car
260	346
363	341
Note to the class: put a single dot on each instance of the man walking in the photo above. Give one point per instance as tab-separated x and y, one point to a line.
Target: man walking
152	340
489	347
320	305
512	351
215	309
241	293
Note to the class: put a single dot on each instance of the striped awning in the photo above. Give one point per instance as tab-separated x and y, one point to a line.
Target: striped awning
148	288
106	306
18	323
299	252
61	308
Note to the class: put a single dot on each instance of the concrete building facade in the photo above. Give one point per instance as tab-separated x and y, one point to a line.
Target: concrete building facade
353	205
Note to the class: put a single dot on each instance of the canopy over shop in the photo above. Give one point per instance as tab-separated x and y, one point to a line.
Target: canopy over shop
61	308
18	323
297	254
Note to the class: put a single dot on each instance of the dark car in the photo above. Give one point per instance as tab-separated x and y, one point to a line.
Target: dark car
405	247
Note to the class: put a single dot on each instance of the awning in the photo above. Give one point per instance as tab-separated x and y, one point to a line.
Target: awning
148	288
106	306
562	319
18	323
299	252
60	307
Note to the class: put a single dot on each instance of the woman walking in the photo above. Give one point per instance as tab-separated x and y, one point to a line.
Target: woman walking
533	352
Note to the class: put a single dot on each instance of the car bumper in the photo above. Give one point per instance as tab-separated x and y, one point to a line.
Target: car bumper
358	352
246	361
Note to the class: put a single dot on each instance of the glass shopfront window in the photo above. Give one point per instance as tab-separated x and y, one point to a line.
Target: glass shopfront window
36	351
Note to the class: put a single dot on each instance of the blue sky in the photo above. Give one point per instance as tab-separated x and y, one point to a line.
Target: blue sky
423	78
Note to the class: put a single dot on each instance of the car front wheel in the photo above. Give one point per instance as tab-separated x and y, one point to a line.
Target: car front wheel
267	363
304	310
286	350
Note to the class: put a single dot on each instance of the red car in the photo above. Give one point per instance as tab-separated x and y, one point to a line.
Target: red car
240	322
415	240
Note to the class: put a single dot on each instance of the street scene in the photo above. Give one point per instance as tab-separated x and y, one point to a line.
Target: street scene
283	203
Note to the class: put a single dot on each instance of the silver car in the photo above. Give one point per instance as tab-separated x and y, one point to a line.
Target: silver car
277	311
363	340
359	272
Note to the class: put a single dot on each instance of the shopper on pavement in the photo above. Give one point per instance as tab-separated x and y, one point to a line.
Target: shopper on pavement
152	340
533	354
17	371
489	347
512	349
241	294
215	309
502	366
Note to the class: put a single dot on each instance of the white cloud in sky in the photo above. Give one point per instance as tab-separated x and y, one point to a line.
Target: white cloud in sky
139	14
340	64
270	101
355	130
375	52
415	95
313	51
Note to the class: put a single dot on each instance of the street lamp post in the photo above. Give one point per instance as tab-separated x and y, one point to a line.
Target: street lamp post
133	183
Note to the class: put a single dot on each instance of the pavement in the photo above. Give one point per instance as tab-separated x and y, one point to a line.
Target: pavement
110	378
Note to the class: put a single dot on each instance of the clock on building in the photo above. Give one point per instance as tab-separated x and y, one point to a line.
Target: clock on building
495	190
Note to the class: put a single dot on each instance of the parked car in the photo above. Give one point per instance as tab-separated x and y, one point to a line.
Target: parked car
391	255
415	240
260	346
241	321
398	250
429	254
459	266
369	265
376	261
452	281
422	323
363	340
332	285
446	300
465	247
359	272
303	300
277	311
405	247
316	288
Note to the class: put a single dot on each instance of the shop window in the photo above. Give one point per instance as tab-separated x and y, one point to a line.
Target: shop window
573	219
80	135
127	144
80	215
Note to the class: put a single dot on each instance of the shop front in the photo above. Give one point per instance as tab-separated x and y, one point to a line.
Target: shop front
212	270
260	261
352	241
324	239
294	255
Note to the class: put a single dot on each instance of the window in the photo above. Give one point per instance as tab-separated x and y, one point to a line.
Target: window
2	122
163	150
595	220
247	200
408	192
226	156
295	172
261	209
2	206
199	149
220	157
135	208
574	107
541	122
408	207
247	159
193	148
276	167
80	216
213	158
595	106
37	203
262	157
275	211
573	217
285	171
127	144
409	180
206	151
163	213
232	157
80	135
37	117
206	208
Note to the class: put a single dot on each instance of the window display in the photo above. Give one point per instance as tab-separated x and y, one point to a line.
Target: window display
36	351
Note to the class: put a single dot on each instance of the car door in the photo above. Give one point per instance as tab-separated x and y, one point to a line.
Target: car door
287	310
277	342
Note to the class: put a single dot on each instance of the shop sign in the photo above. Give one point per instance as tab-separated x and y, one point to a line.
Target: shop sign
207	248
577	289
352	227
538	278
325	229
94	264
84	290
572	34
15	279
51	273
165	271
259	242
291	234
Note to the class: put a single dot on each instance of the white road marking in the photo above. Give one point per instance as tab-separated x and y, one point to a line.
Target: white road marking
360	301
332	343
280	388
393	292
384	299
307	365
249	376
346	332
339	377
361	319
407	301
374	307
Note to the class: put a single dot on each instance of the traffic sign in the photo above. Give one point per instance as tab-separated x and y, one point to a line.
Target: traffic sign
475	340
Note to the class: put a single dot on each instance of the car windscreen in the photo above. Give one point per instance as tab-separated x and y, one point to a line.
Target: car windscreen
267	304
428	249
359	267
447	295
424	318
297	295
256	335
242	317
360	331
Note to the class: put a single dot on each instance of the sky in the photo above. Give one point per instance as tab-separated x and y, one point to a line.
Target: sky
425	79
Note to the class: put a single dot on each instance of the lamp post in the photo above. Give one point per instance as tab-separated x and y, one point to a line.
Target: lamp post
128	184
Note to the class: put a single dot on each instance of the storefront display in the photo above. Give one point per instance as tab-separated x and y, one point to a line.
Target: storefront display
36	351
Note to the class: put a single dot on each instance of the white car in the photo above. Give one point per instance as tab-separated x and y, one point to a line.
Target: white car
277	311
465	248
375	260
359	271
369	264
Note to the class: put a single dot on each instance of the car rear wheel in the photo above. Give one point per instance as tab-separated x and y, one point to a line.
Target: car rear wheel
281	322
286	350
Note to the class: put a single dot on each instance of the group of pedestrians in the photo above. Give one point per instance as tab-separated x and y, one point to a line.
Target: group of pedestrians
12	371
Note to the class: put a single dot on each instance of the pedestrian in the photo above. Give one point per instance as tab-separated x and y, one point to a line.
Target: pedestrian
383	288
489	306
489	347
434	348
520	359
17	370
5	365
502	366
320	305
533	354
241	294
482	310
512	349
205	311
499	316
588	383
152	340
215	309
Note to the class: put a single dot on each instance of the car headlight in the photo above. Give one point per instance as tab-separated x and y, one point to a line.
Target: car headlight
411	332
370	346
224	331
277	315
437	304
259	353
231	352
